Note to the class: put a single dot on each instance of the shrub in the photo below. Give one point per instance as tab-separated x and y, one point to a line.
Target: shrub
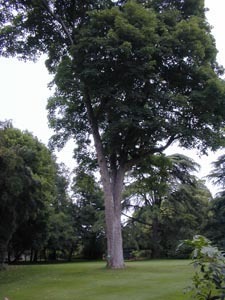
142	254
209	263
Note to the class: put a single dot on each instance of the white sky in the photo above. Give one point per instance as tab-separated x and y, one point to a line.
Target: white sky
24	93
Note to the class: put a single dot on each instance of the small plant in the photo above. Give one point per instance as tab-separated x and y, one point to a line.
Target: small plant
142	254
209	263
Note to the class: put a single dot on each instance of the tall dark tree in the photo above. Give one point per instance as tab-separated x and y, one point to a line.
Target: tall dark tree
50	226
27	181
137	76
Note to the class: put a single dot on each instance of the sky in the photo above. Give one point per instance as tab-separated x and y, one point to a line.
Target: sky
24	92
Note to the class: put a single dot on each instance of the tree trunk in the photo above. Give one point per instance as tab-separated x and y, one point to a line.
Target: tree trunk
31	255
114	237
155	238
9	256
112	181
70	254
3	252
112	188
115	258
35	256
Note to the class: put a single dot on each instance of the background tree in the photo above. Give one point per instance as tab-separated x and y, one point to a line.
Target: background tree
137	76
169	202
49	231
62	238
27	173
184	214
88	215
215	228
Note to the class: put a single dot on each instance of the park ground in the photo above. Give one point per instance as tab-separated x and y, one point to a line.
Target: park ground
142	280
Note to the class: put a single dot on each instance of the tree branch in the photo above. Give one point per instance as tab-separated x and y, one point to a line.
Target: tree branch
168	143
137	220
59	20
97	140
142	155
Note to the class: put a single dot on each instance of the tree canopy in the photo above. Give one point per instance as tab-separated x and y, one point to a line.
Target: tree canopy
27	177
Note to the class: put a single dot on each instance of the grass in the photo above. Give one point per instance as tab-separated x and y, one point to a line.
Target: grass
146	280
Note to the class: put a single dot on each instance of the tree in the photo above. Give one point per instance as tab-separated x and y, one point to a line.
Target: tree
137	76
185	214
215	228
170	203
27	173
50	227
88	214
217	175
62	236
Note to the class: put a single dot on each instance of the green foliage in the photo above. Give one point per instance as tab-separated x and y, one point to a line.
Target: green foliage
217	175
170	204
215	227
27	183
209	277
141	254
118	50
61	236
88	215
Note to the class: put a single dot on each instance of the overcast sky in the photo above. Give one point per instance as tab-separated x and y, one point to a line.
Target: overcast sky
24	92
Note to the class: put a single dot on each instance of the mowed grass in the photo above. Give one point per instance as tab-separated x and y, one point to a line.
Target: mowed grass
146	280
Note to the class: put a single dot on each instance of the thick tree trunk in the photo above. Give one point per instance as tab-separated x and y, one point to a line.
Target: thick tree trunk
115	258
112	181
112	188
115	254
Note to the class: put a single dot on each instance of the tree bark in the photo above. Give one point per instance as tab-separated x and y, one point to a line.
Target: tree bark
112	181
115	258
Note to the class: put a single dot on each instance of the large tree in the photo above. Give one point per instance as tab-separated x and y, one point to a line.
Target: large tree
27	183
136	75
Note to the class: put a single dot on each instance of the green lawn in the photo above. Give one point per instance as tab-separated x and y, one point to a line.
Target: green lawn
146	280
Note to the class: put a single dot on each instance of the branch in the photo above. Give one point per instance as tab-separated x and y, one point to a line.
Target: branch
145	154
92	121
168	143
96	135
59	20
137	220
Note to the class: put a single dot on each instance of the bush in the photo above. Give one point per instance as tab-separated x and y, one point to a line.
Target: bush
142	254
209	263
